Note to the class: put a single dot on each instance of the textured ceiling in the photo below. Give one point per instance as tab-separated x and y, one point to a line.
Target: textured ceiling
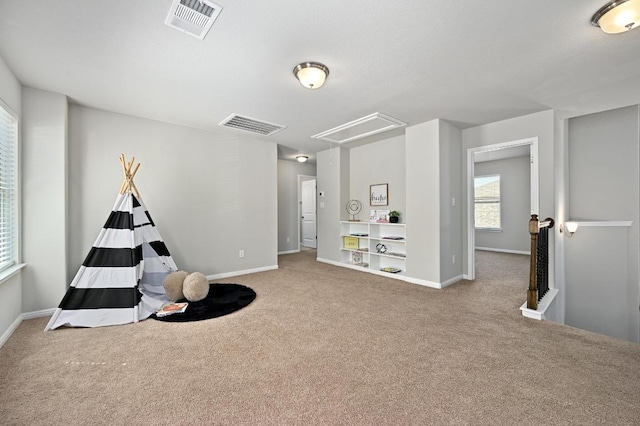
468	62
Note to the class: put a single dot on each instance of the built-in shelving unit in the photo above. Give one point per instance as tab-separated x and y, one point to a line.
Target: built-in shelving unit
374	247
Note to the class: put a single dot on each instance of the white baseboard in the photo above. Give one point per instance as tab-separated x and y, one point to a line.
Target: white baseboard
244	272
527	253
25	316
425	283
410	280
452	281
288	252
5	336
38	314
332	262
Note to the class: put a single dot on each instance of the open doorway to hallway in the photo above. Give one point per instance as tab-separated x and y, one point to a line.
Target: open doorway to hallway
504	179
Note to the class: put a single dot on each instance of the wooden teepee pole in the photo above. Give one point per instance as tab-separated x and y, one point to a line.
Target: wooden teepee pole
127	182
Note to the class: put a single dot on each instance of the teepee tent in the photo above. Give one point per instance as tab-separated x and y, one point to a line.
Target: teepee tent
120	281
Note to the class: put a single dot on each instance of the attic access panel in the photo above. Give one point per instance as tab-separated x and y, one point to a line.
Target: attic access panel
194	17
360	128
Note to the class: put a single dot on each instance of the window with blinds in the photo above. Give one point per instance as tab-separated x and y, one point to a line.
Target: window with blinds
487	202
8	187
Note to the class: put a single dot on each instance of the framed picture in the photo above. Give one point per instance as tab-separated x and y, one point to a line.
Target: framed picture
379	194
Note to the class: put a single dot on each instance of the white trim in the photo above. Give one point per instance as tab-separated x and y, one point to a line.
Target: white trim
388	122
399	277
11	271
594	223
453	280
244	272
5	336
288	252
542	306
25	316
424	283
38	314
499	250
534	199
347	265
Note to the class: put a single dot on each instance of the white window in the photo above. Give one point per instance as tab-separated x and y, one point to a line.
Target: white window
8	187
487	202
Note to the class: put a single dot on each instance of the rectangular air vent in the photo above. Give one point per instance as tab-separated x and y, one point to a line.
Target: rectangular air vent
194	17
251	125
360	128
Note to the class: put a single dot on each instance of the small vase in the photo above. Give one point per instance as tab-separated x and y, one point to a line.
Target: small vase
394	219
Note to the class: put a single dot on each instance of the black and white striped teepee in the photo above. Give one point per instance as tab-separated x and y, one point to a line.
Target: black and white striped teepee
120	280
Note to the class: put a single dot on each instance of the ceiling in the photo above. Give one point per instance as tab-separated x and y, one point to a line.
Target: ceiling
468	62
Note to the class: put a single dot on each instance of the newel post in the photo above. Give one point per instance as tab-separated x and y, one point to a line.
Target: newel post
532	292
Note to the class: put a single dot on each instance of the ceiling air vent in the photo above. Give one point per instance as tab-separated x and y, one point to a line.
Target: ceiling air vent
251	125
194	17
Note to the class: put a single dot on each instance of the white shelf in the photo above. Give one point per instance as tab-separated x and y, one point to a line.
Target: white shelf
374	233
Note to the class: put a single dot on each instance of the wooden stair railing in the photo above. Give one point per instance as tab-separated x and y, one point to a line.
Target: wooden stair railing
539	264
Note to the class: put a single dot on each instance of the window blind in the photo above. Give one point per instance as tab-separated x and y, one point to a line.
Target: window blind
8	187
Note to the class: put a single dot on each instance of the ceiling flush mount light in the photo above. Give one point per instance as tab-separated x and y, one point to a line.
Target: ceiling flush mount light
617	16
302	158
311	74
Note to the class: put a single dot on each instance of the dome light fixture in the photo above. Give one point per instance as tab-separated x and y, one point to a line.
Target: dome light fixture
302	158
617	16
311	75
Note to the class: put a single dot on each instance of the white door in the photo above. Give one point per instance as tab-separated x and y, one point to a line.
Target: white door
308	211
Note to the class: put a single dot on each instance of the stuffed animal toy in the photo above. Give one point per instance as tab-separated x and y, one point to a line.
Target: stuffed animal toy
173	284
195	287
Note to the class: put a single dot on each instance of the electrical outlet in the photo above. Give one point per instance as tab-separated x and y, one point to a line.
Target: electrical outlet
453	259
241	254
288	239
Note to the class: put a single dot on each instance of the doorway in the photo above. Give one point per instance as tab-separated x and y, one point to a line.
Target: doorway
501	150
307	202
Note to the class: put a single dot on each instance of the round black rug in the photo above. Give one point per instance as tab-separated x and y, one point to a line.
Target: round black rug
222	299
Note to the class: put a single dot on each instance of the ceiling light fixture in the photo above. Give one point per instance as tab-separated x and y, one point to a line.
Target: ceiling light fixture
311	74
302	158
617	16
569	228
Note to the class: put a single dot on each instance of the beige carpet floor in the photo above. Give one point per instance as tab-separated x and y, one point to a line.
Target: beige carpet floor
324	345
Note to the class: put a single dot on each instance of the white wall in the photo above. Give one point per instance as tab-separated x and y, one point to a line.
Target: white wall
210	195
288	205
423	200
540	125
604	185
44	200
515	203
333	182
11	288
450	215
434	220
376	163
